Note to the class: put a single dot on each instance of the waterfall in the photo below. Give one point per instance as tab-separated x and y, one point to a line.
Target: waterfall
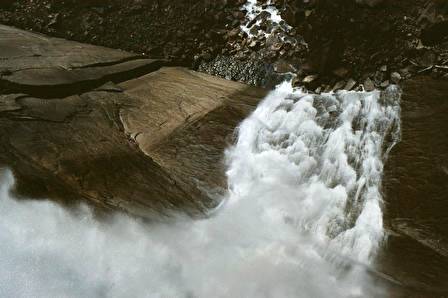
302	217
316	163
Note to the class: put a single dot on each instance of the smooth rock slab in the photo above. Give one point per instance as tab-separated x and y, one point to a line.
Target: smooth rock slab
112	148
72	127
49	67
192	117
86	122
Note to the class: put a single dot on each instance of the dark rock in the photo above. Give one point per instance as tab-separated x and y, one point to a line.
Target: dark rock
41	68
127	24
341	72
238	15
428	58
370	3
395	77
8	102
339	85
436	33
417	169
282	66
6	3
385	84
350	84
254	72
369	85
206	56
233	33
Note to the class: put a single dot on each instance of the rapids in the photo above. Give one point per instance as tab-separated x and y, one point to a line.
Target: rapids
302	216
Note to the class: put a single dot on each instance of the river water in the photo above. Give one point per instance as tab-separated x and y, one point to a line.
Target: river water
302	217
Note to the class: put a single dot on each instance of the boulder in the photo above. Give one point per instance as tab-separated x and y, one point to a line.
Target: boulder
395	77
369	85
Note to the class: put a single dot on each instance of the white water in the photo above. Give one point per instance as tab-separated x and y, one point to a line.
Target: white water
303	210
253	9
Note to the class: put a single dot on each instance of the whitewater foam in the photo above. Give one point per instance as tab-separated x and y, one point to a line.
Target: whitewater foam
302	217
253	10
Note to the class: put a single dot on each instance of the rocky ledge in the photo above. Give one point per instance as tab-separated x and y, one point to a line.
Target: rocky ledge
327	44
332	45
178	30
113	128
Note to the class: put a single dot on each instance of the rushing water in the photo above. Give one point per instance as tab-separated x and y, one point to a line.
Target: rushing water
302	217
254	9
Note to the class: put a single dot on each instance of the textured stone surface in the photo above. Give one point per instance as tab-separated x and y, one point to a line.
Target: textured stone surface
193	117
416	191
149	144
33	63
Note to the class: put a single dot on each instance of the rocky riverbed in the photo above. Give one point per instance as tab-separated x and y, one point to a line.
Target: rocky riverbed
328	45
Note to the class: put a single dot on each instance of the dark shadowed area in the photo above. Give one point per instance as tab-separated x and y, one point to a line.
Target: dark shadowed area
416	191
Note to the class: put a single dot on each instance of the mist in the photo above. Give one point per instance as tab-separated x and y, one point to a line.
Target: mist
282	229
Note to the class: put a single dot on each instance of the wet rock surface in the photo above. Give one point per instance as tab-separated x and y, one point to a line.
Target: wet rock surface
138	143
416	192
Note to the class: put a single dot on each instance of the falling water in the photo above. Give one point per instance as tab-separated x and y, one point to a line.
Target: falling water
302	217
319	159
253	10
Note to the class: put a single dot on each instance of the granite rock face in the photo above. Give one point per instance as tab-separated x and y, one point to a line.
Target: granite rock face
113	128
416	191
37	64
